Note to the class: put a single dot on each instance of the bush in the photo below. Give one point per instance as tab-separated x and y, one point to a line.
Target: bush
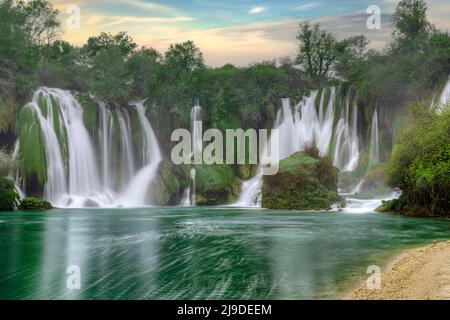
34	204
8	195
420	164
6	164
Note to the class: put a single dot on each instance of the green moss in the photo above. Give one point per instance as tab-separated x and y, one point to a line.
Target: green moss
90	110
216	184
303	182
31	145
170	183
34	204
8	195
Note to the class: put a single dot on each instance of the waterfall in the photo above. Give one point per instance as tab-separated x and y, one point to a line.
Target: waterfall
55	186
136	192
127	170
189	198
311	125
374	156
14	174
346	154
445	97
105	139
80	173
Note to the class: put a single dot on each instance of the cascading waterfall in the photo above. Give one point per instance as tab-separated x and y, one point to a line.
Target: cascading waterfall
189	198
374	155
311	125
346	154
136	192
74	175
14	174
445	97
105	139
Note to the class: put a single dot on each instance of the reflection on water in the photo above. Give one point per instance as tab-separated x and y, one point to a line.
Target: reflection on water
197	253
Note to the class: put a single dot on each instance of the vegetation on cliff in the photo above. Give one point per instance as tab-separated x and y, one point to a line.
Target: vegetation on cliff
304	181
420	164
9	198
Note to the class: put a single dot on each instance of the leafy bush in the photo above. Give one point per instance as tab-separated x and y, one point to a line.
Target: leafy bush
8	195
34	204
420	164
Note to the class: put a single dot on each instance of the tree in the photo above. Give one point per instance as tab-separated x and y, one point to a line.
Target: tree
184	57
122	41
410	19
318	50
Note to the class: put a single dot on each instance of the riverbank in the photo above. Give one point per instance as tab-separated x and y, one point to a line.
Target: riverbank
419	274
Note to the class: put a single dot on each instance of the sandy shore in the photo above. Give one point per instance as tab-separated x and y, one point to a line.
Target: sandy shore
419	274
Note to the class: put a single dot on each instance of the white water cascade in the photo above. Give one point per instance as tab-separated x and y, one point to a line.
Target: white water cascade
81	174
136	192
445	97
189	198
374	155
14	174
310	125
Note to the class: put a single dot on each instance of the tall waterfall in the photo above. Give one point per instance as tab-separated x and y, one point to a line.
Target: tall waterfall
80	173
374	156
189	198
307	125
136	192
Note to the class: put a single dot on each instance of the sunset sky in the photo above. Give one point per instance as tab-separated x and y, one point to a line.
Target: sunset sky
231	31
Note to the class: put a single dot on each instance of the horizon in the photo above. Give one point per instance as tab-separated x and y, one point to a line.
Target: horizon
233	32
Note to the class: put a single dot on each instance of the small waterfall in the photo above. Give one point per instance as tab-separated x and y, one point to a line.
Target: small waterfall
189	198
105	140
126	148
374	156
445	97
136	192
346	154
14	174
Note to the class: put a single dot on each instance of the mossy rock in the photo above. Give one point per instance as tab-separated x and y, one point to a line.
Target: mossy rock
32	203
303	182
170	183
216	185
8	195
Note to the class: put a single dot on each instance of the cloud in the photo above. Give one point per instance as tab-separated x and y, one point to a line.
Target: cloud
307	6
137	20
256	10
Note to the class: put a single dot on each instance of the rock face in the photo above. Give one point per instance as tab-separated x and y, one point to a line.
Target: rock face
304	181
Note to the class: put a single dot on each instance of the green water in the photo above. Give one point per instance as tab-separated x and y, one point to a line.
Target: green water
197	253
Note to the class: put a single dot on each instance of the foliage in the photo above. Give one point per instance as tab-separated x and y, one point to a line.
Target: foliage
420	164
32	203
304	182
410	19
8	194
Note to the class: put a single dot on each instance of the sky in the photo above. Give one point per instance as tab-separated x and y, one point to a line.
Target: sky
231	31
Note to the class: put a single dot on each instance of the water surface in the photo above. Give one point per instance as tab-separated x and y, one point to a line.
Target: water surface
199	253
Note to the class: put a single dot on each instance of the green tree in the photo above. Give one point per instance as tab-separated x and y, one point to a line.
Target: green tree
410	19
183	57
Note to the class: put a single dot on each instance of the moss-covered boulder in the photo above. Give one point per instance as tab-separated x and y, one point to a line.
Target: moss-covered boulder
8	195
32	203
215	185
304	181
170	183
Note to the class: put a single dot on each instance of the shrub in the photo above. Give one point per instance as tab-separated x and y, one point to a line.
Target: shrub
420	164
8	195
34	204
